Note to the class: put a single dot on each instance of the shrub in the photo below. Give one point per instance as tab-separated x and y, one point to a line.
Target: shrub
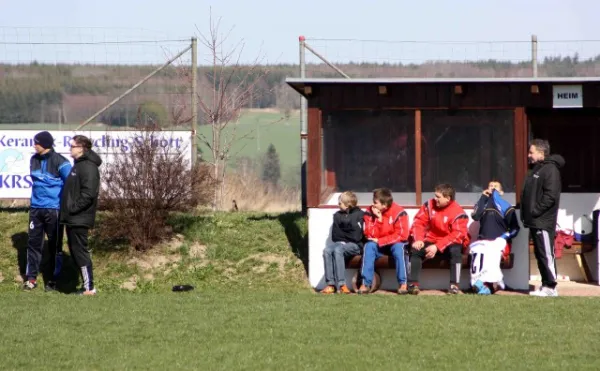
143	185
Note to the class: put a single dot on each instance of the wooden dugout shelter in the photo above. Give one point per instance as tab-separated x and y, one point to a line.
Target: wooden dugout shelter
410	134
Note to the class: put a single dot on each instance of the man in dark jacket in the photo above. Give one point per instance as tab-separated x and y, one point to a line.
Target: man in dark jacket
539	210
78	206
48	171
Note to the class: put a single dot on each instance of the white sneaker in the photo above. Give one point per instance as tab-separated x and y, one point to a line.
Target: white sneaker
544	292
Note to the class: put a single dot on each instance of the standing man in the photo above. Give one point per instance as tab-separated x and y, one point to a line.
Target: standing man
539	210
48	171
78	206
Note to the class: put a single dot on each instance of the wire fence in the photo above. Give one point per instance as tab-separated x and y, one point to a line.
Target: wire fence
389	58
58	77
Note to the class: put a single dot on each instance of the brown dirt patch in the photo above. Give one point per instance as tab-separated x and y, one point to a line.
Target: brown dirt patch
175	243
130	284
198	251
153	261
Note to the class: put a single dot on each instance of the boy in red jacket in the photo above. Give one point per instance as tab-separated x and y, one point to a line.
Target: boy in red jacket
440	227
386	231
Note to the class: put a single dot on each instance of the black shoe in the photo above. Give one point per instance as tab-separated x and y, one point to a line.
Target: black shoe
50	286
414	290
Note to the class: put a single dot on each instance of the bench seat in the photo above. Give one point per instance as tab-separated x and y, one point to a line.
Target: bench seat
387	262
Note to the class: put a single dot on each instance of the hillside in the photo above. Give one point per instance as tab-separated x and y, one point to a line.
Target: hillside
36	93
223	250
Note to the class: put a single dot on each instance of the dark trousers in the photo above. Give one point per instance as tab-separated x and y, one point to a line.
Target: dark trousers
453	253
78	246
44	222
543	249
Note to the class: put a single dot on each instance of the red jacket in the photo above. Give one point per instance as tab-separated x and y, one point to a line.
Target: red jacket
443	227
392	228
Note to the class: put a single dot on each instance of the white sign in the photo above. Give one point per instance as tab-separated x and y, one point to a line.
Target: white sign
567	96
16	149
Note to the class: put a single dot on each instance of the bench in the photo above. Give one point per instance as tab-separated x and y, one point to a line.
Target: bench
577	250
387	262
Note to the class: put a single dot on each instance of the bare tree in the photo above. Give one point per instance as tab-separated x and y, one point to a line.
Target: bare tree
231	87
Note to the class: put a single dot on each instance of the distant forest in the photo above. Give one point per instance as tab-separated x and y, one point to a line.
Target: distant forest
39	93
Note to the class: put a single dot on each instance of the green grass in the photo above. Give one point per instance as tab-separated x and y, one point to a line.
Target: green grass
274	330
253	309
214	250
262	129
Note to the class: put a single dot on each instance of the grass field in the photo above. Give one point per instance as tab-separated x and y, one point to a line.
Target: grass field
253	309
262	129
299	330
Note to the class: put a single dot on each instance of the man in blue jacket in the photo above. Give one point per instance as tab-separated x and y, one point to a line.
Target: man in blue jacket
48	170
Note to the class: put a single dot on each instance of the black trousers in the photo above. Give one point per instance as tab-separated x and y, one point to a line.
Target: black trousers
543	249
78	246
453	253
44	222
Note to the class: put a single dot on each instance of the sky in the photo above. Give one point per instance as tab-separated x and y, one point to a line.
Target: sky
375	31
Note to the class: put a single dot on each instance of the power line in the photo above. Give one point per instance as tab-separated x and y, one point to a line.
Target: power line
448	41
92	42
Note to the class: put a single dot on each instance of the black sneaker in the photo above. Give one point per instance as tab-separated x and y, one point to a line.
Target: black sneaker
50	286
413	290
29	285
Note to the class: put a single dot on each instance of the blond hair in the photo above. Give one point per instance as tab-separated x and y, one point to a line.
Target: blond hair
348	198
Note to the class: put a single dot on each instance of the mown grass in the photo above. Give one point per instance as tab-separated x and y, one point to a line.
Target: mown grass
270	329
252	309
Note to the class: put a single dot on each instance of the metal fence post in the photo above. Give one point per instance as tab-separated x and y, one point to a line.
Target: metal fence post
534	50
303	127
194	100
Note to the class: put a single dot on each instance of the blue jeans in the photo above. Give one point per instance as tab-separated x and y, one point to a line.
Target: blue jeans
334	256
374	252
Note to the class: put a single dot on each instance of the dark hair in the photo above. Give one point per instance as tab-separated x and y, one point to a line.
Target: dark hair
83	141
446	190
542	145
383	195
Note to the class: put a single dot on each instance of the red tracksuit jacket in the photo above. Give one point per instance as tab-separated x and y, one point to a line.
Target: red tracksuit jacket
393	227
443	227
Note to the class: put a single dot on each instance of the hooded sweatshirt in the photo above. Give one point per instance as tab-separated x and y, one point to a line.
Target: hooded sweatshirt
541	194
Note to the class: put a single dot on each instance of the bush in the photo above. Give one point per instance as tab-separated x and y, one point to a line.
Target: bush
142	186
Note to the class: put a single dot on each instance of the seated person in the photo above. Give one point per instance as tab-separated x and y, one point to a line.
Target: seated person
386	231
347	237
440	227
498	224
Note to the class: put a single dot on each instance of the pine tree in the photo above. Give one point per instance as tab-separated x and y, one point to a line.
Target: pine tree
271	168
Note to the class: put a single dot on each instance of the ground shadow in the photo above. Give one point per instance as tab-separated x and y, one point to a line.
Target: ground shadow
69	276
297	237
15	210
19	242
